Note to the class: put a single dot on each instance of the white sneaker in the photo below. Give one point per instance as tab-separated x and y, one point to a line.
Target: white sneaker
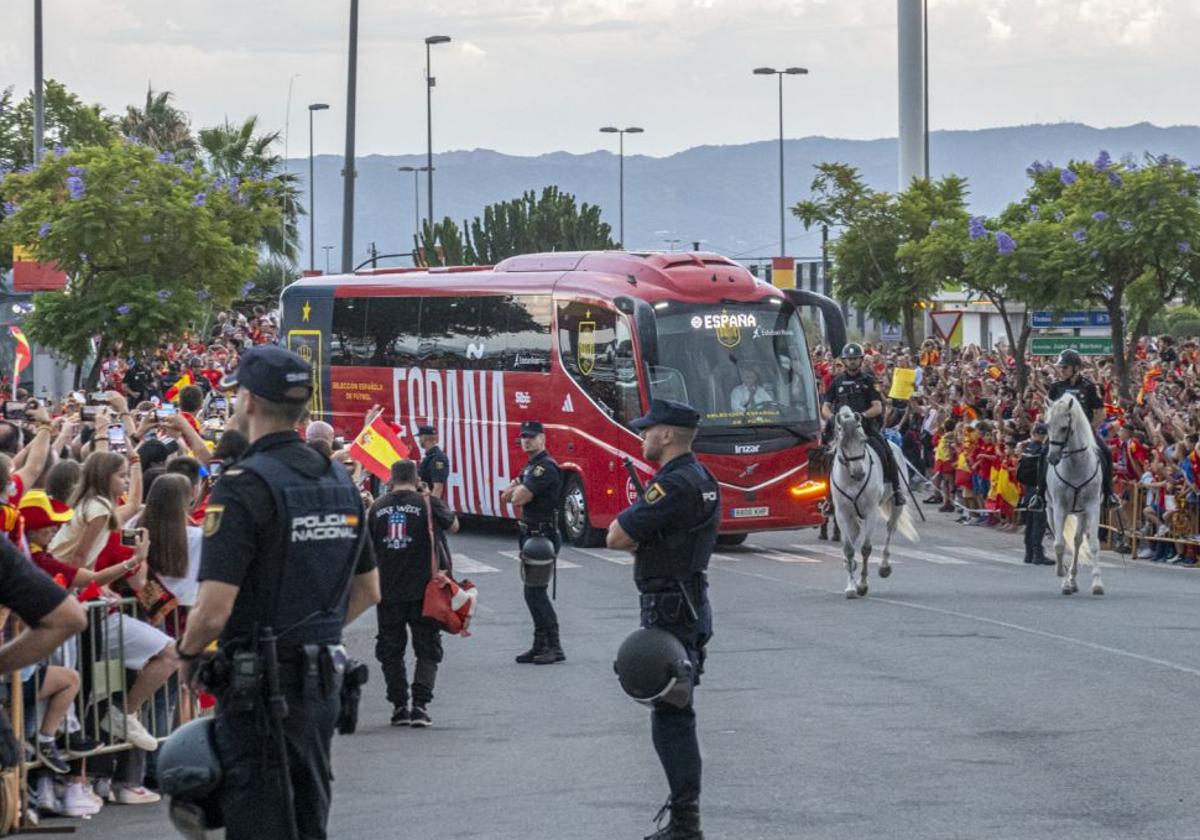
78	802
46	800
120	725
126	795
1144	552
90	791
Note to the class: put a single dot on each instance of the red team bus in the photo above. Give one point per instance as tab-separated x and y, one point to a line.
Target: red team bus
581	342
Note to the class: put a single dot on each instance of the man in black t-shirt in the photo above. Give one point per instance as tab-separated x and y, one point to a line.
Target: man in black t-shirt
49	613
400	531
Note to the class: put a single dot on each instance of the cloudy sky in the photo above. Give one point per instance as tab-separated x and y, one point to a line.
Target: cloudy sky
530	76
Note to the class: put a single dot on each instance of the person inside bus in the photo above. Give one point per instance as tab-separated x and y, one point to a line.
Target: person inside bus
750	393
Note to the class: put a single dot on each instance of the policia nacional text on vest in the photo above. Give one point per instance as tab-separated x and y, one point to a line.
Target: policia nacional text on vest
671	530
285	533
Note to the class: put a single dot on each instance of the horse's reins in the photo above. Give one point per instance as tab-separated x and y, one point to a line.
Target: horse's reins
846	461
1067	453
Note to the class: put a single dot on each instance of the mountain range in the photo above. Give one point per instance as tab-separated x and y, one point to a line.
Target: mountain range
725	197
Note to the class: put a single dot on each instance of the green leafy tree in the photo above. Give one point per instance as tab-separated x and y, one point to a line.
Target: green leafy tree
867	271
69	123
1127	241
159	125
441	244
146	244
270	277
532	223
236	152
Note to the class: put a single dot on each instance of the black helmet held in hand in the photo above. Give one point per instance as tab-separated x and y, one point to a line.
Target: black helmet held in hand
1070	357
653	667
189	771
537	561
852	351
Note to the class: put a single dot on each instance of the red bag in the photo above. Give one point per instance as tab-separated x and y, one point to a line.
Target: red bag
449	603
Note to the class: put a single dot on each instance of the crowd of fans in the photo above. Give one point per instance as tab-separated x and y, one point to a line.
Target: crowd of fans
967	423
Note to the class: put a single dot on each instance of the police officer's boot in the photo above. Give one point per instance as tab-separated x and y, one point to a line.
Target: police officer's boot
539	646
823	534
553	651
837	531
684	824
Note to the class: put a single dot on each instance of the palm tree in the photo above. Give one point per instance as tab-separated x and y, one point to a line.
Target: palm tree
233	151
160	125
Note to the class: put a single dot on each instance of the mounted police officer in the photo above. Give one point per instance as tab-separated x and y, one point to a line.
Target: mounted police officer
856	388
537	490
285	565
671	531
1072	381
435	466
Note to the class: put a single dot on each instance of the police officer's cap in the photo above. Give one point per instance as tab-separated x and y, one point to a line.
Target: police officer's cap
532	428
426	430
668	413
272	373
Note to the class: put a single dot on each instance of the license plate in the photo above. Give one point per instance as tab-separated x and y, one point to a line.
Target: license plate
750	513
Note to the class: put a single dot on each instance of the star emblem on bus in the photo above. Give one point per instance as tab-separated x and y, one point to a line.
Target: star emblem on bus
305	311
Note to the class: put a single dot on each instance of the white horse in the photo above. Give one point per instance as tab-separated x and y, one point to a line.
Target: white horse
862	498
1073	489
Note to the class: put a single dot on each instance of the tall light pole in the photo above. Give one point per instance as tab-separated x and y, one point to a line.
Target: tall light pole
416	171
621	132
790	71
326	249
312	189
39	102
350	171
430	81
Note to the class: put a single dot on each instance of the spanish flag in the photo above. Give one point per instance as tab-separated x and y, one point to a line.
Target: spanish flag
181	383
377	447
1149	383
23	354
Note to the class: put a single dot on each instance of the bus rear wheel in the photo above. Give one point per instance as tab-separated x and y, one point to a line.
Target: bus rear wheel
576	525
731	539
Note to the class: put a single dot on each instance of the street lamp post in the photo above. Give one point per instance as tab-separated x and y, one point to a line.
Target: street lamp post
621	132
790	71
430	81
312	190
415	170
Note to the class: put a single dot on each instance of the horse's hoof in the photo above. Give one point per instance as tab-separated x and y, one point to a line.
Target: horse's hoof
1068	590
861	589
1097	589
885	571
851	594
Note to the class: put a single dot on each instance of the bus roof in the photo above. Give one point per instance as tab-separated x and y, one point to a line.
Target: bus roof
652	276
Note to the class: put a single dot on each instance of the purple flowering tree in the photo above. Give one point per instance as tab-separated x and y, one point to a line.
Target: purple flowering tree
1125	242
135	243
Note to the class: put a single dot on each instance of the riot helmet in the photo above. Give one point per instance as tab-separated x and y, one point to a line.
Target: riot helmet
853	350
653	667
1070	358
189	771
537	561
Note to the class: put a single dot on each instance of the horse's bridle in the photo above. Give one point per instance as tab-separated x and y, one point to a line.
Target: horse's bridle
1067	454
846	461
1061	443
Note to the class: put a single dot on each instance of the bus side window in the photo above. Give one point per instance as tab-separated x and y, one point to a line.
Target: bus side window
449	334
626	367
392	323
349	340
587	342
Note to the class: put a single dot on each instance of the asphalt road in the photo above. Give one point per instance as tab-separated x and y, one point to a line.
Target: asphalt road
965	697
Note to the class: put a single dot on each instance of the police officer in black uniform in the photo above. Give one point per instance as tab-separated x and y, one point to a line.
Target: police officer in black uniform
1072	381
671	531
856	388
537	490
435	466
285	564
1032	453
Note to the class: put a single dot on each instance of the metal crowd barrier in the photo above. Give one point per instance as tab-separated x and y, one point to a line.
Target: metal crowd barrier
97	655
1183	523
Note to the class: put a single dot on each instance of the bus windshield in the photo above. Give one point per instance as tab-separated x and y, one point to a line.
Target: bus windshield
738	364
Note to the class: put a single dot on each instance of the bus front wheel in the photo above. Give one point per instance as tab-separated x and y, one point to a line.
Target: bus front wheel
576	525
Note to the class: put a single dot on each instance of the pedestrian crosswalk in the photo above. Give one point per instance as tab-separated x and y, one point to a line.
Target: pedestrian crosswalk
816	554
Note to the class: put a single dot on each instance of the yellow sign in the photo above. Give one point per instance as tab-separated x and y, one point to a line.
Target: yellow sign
586	351
728	332
22	254
307	345
904	382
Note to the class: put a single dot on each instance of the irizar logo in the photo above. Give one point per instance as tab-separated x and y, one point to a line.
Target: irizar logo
746	448
329	526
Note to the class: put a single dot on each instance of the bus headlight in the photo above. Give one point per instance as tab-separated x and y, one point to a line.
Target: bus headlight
810	490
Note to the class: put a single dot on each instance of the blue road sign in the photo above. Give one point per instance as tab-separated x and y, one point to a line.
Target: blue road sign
1082	318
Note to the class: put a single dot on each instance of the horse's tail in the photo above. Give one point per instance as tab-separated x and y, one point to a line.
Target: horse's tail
1070	528
905	525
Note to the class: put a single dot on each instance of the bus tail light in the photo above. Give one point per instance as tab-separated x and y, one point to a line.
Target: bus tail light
810	490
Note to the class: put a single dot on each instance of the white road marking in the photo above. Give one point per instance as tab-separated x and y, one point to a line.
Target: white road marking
994	556
931	557
786	556
464	565
562	564
727	558
1008	625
